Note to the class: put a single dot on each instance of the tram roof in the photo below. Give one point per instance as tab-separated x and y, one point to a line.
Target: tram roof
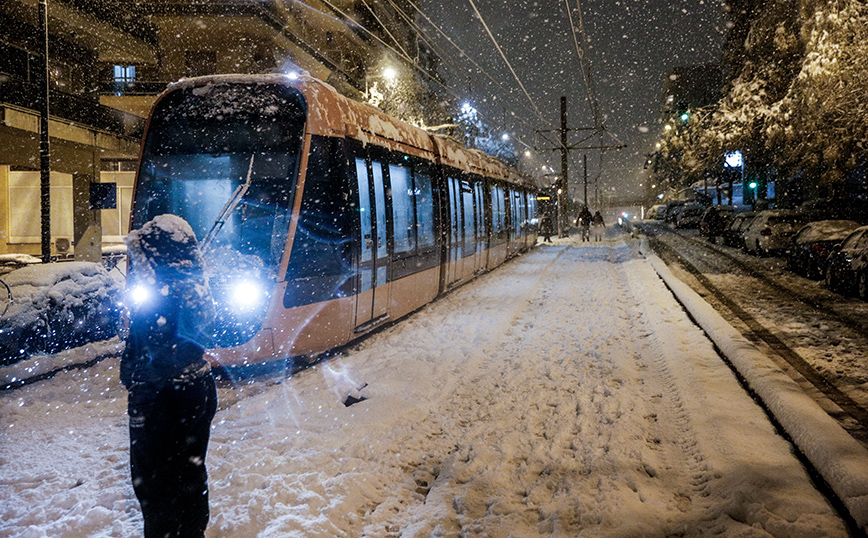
337	115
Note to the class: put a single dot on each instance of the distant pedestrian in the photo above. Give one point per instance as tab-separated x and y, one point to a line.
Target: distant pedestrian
172	394
585	218
547	227
599	226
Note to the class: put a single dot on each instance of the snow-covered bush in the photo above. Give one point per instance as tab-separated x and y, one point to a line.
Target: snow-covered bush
58	306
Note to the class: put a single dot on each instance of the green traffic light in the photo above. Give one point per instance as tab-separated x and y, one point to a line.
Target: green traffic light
685	116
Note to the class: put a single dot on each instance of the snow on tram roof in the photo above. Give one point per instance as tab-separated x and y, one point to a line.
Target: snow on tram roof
367	123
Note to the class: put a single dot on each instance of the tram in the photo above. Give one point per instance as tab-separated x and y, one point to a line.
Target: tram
320	218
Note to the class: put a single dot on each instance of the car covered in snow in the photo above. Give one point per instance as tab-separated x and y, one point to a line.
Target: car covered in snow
58	306
771	230
715	220
810	247
847	266
733	235
657	212
689	215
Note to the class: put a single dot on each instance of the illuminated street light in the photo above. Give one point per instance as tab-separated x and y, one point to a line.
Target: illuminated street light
527	153
504	136
390	74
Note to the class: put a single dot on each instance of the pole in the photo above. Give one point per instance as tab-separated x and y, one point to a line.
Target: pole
585	162
564	191
44	146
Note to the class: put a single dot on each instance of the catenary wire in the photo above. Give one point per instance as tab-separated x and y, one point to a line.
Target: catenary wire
502	55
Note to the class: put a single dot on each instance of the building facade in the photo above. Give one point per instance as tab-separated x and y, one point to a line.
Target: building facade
109	59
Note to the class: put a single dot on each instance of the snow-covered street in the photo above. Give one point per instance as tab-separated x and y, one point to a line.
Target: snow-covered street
565	394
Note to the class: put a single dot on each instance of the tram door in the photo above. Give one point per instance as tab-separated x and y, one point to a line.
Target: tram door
456	234
373	296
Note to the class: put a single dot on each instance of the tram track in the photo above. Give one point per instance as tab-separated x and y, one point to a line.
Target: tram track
856	412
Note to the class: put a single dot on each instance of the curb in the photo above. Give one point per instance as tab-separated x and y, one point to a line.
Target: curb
841	460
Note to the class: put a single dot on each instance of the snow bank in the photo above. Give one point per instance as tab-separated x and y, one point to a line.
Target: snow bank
57	306
840	459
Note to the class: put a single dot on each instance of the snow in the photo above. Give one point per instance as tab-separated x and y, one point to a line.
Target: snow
839	458
67	302
565	394
828	230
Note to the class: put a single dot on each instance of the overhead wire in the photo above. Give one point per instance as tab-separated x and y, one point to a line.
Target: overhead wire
453	43
385	28
412	63
428	40
502	55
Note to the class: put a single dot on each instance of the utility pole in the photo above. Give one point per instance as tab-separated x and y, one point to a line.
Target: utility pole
44	146
563	189
564	148
585	162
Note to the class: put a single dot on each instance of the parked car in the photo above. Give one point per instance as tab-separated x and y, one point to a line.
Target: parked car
689	215
58	306
656	212
771	230
847	266
715	220
733	235
672	209
810	247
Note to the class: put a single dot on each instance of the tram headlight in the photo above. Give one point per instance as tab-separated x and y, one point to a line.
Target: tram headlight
139	295
247	294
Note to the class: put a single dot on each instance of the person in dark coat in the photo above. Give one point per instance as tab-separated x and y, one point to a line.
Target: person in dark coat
599	226
172	394
584	219
547	227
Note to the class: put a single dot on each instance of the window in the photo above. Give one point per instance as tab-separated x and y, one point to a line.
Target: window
498	210
424	195
320	266
469	220
125	73
402	209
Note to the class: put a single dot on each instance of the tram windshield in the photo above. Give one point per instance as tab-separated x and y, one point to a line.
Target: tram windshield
202	146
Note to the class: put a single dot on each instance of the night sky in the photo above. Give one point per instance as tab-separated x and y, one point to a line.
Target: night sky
633	46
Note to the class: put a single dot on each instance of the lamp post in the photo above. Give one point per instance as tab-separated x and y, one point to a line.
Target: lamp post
44	145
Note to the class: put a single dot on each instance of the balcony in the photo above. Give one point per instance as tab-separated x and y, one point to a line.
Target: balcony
73	108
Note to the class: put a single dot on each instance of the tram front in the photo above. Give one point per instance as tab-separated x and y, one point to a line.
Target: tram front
224	156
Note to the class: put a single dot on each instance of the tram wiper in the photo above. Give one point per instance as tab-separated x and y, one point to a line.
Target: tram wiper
229	208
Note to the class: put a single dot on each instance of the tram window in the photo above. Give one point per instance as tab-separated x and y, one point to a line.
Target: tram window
202	146
402	209
320	261
469	221
498	209
424	209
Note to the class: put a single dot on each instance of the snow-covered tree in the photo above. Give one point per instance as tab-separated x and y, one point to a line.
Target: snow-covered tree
476	134
821	125
760	74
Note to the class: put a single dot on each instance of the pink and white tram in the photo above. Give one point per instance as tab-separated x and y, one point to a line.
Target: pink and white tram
321	218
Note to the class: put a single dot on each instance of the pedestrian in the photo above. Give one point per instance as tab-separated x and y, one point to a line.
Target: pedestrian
547	227
172	394
585	222
599	226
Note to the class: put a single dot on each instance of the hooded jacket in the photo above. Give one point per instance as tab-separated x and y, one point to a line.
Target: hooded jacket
172	325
